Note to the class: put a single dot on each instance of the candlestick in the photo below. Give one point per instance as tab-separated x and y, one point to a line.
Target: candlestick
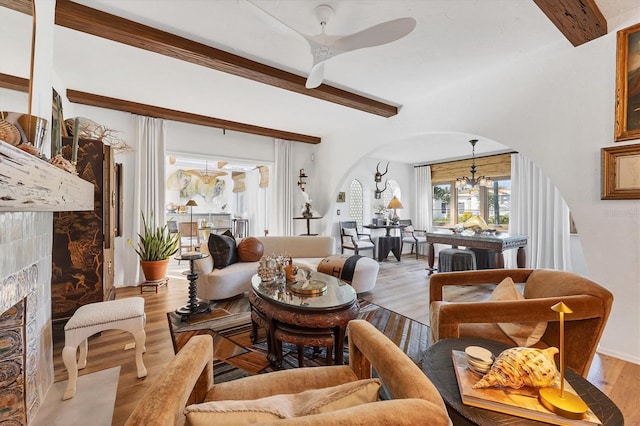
74	147
559	401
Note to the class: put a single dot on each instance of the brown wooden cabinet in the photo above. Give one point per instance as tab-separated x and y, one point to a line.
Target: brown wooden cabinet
83	241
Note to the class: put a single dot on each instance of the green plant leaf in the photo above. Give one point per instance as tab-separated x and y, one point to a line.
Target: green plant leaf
155	242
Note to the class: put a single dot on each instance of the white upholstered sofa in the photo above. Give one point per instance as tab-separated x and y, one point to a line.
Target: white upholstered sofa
235	279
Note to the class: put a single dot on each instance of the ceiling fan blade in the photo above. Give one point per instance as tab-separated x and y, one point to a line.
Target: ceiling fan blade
376	35
270	19
315	76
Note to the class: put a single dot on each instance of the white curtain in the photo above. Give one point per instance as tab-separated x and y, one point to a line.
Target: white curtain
148	187
257	205
538	211
284	202
423	197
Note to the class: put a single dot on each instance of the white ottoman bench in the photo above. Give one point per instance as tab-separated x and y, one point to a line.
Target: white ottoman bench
122	314
359	271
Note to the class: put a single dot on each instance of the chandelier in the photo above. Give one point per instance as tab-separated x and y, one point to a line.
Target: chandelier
207	176
473	181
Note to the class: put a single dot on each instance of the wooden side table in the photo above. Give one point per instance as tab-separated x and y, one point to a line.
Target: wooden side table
388	244
438	366
194	306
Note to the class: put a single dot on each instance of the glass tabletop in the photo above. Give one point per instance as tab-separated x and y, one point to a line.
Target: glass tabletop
338	293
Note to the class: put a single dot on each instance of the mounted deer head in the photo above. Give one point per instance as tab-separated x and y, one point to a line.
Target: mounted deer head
378	176
378	192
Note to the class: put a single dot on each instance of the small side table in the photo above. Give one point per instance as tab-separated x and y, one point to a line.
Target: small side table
194	306
388	244
308	219
437	365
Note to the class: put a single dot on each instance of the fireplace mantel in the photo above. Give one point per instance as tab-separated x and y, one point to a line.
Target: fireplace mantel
29	184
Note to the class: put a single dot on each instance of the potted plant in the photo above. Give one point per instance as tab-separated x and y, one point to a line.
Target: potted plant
155	246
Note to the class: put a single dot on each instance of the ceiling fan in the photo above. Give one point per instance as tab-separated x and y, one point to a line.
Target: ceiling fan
324	47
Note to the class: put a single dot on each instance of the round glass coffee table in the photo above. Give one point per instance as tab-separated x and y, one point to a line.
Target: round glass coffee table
310	309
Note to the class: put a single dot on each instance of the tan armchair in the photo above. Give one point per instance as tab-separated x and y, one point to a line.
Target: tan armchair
188	379
590	302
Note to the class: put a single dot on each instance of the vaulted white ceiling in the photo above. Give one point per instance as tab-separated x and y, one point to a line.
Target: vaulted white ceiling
453	40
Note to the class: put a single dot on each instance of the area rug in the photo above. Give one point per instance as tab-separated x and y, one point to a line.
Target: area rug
93	403
237	356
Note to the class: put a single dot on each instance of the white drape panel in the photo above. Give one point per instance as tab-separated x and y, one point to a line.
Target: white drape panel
256	206
148	186
423	197
539	211
284	189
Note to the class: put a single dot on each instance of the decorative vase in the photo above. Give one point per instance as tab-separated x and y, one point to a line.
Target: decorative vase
154	270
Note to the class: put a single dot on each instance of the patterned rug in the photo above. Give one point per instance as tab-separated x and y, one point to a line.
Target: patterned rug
229	323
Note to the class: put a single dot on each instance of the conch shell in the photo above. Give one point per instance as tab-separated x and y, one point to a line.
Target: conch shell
518	367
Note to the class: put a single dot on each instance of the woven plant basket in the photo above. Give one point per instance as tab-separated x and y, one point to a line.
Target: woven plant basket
9	133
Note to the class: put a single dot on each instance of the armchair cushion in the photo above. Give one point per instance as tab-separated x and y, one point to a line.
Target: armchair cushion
284	406
522	334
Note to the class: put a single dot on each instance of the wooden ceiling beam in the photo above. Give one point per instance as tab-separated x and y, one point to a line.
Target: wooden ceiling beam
14	83
22	85
579	20
184	117
101	24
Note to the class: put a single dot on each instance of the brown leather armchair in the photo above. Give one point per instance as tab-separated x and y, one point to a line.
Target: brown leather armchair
590	302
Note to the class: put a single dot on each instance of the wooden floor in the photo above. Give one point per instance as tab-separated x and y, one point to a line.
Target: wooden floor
402	287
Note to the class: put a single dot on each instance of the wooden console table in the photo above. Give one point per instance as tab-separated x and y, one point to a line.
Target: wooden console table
497	243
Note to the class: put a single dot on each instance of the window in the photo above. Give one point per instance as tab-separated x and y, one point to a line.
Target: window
453	205
356	203
442	204
491	203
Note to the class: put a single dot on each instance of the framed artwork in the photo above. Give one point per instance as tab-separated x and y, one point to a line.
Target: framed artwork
341	197
621	173
627	124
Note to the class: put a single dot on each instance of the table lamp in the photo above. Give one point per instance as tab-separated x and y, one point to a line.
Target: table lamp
395	204
191	204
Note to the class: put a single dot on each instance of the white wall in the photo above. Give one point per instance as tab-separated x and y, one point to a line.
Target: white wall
557	108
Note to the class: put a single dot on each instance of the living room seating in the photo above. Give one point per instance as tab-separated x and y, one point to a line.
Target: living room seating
120	314
188	379
410	235
216	282
543	288
351	239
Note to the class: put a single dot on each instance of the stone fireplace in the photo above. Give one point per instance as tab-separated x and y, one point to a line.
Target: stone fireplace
26	354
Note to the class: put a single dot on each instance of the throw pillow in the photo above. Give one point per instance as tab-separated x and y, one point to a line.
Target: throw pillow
408	229
284	406
223	250
250	249
522	334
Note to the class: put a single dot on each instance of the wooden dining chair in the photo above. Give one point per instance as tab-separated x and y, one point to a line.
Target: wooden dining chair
410	235
351	239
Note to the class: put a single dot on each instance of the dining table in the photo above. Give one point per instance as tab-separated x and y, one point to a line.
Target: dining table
496	242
